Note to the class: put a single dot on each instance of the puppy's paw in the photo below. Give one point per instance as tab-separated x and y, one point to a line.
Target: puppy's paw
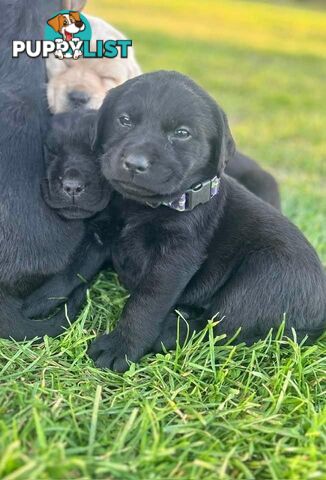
113	351
39	305
51	295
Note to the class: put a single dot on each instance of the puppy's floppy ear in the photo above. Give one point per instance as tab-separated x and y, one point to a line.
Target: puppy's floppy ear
55	22
96	132
92	136
50	148
102	122
224	146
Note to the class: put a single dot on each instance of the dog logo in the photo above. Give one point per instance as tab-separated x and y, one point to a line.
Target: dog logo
68	34
68	27
67	24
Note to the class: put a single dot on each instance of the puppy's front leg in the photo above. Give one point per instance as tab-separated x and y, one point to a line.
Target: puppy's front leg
88	261
145	311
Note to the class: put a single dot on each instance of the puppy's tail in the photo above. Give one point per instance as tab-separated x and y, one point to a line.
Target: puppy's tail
14	325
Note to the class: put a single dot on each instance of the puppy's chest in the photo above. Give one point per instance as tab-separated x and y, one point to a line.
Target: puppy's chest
132	249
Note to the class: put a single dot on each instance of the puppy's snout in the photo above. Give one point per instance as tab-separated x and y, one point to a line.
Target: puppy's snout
136	163
78	98
79	23
73	185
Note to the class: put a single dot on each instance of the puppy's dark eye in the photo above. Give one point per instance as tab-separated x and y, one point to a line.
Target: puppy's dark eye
124	120
182	134
65	22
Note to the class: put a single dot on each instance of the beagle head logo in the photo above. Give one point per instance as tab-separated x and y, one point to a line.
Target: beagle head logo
67	24
69	30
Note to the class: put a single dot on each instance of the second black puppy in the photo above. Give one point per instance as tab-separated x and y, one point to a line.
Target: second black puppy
75	188
188	235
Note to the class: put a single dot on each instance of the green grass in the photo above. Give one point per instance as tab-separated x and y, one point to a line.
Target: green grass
209	411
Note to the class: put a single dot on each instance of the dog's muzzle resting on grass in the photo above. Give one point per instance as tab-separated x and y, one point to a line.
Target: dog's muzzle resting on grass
161	137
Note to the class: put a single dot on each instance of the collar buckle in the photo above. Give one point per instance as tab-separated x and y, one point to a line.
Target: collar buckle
197	195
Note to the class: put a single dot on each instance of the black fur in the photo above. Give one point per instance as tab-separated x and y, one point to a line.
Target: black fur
35	242
235	255
254	178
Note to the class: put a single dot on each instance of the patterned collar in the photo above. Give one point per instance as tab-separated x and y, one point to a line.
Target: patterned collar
200	193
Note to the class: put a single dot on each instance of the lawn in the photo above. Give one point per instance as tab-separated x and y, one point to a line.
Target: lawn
207	411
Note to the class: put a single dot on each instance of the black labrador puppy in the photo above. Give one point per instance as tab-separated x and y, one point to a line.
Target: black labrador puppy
35	242
75	188
188	235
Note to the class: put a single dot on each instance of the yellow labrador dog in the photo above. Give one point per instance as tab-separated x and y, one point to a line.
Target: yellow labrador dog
83	84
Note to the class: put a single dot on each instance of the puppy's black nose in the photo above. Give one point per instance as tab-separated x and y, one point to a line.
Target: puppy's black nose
73	187
136	163
78	98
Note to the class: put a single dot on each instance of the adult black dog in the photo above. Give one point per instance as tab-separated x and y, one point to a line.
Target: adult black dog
187	234
35	242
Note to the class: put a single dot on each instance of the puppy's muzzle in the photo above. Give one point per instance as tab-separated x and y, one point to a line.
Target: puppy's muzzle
73	185
78	98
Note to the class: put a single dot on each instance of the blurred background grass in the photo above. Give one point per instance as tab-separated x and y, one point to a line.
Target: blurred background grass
265	63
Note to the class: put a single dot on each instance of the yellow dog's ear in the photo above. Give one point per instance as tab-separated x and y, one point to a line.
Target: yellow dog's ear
55	22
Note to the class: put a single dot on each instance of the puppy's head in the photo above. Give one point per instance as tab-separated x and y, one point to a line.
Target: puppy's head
160	134
74	185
